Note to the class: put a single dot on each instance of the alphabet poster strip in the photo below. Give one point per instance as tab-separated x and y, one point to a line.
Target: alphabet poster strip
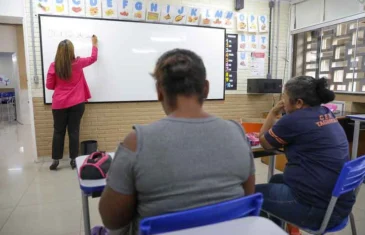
110	9
263	42
77	7
243	60
153	11
263	24
179	14
44	6
166	14
242	24
125	9
252	23
228	19
206	17
61	7
139	10
217	18
253	42
242	42
93	8
193	16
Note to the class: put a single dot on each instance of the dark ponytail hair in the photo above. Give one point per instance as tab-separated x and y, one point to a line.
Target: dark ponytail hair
313	92
324	94
181	72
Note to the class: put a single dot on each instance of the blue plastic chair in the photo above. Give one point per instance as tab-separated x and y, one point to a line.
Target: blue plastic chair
350	179
225	211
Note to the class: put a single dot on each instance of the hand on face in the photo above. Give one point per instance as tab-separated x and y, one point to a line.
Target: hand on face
279	108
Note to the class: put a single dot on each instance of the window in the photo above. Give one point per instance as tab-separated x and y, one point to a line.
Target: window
336	52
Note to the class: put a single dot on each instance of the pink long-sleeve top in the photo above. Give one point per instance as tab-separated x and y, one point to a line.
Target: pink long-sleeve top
68	93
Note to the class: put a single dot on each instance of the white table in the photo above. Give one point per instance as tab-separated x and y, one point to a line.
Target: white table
244	226
89	187
358	119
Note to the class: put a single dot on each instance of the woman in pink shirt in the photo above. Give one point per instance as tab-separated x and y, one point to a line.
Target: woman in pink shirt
66	77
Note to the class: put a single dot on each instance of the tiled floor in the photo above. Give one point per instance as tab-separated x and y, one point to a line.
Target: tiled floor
36	201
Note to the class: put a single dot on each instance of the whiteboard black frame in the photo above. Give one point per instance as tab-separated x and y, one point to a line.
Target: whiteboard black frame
132	21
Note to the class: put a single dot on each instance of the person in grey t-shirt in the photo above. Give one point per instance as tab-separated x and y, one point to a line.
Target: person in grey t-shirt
188	159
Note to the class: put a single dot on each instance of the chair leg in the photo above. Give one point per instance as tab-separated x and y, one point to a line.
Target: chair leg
353	226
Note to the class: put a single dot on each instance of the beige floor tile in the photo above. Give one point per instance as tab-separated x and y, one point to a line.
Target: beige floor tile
45	219
57	191
10	197
4	216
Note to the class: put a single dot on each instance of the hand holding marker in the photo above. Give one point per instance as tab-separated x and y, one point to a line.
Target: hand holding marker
94	40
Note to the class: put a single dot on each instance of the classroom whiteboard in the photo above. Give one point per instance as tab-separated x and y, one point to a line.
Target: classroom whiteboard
128	52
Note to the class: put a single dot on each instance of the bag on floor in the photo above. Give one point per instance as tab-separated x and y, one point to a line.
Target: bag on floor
95	166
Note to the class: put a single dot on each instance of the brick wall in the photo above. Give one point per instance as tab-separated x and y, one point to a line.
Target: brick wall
109	123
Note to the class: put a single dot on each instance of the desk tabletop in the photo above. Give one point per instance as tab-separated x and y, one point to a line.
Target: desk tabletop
90	186
248	225
357	117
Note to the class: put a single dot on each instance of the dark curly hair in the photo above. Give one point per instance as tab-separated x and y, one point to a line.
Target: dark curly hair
181	72
313	92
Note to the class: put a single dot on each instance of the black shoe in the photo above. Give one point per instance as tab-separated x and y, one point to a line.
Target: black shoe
54	165
73	164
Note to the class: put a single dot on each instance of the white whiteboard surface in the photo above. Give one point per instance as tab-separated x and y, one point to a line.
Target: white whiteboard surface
128	52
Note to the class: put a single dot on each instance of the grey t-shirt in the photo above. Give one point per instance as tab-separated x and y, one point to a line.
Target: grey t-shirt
182	164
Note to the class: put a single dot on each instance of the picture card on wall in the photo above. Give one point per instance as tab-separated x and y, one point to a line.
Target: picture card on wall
243	60
93	8
193	16
61	7
125	9
263	42
217	18
206	17
242	43
44	6
242	24
139	10
228	19
166	14
179	14
252	23
263	24
110	9
253	42
77	7
153	11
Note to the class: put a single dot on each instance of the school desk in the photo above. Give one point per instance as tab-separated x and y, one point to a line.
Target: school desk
94	188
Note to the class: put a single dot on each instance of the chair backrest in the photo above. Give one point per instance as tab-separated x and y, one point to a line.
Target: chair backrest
352	175
225	211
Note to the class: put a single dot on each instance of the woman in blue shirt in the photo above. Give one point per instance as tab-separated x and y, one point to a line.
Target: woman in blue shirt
316	147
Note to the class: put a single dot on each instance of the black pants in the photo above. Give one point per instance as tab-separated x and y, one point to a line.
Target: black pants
69	118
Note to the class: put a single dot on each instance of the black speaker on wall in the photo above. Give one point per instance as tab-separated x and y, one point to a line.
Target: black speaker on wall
240	4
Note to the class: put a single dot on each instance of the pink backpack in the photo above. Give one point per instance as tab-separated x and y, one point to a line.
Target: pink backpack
95	166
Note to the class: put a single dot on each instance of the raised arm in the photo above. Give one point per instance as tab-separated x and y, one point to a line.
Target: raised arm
94	54
51	77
